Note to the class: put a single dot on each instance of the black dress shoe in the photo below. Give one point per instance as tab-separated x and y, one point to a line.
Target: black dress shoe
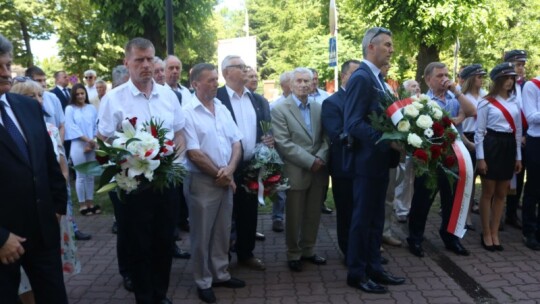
315	259
416	249
384	261
457	248
179	253
386	278
206	295
295	265
231	283
128	284
165	301
259	236
367	286
531	242
114	228
80	236
326	210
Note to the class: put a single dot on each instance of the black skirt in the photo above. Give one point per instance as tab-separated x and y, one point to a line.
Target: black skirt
500	155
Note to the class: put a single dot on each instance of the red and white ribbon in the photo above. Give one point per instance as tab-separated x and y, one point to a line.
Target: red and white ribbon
462	195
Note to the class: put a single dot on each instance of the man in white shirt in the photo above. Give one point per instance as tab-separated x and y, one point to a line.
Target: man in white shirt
317	94
173	75
213	153
90	77
148	215
247	112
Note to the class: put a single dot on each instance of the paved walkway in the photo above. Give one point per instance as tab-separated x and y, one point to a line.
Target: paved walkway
511	276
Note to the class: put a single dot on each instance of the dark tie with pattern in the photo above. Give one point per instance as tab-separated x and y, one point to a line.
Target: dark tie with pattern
14	132
66	92
381	79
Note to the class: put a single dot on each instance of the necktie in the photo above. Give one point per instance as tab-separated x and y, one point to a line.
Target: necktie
381	79
14	132
66	92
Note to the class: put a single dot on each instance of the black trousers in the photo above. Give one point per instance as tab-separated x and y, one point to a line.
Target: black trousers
44	269
122	252
342	190
149	219
245	215
183	212
421	203
531	197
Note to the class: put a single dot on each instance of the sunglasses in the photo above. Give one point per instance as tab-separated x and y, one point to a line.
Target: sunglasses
238	66
88	77
381	30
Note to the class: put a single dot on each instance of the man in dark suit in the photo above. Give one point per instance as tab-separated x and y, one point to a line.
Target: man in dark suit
33	196
61	89
342	178
247	113
371	163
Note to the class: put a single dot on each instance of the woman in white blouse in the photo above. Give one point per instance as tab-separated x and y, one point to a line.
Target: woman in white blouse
498	153
81	128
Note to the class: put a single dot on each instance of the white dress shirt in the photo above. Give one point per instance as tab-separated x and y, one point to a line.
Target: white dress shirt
92	92
469	123
246	119
213	134
531	107
53	107
80	121
126	101
490	117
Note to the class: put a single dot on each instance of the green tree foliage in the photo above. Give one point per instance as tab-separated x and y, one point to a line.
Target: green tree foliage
22	21
83	42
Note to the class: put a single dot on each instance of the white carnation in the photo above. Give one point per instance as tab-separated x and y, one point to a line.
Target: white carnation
414	140
418	105
428	132
424	121
437	114
434	105
411	111
404	126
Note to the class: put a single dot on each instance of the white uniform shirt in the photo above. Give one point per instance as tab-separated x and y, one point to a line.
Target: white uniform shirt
469	123
490	117
213	134
126	101
531	107
246	119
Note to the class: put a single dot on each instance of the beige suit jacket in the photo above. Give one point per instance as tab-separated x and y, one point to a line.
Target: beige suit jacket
297	146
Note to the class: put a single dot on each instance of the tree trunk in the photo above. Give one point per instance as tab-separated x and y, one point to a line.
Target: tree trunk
29	57
426	55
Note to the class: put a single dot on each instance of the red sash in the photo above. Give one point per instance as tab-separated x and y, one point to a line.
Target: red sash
505	112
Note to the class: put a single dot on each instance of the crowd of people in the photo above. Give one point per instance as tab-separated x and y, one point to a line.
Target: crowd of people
318	136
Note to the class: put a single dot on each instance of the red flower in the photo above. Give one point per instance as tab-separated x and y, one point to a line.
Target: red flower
438	130
451	136
153	131
253	185
446	121
436	151
421	155
274	178
68	268
133	121
450	161
102	159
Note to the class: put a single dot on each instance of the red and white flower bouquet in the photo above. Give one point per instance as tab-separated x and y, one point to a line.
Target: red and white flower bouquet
139	158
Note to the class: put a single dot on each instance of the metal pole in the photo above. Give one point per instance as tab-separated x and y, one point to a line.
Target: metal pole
169	22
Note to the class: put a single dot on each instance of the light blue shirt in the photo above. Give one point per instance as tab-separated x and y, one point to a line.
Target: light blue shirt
305	111
450	104
53	107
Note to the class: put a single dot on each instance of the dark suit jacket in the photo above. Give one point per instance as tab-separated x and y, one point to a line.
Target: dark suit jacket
261	106
362	98
332	122
61	96
31	193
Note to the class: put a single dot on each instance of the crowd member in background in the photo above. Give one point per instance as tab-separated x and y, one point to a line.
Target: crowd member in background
518	58
81	119
173	76
473	80
29	231
300	140
159	71
411	87
531	196
120	75
342	179
285	84
90	77
213	154
101	87
498	150
61	89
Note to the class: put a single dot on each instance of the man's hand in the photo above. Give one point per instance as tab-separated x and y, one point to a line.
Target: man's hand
12	250
450	85
224	176
518	166
233	186
400	148
268	140
317	165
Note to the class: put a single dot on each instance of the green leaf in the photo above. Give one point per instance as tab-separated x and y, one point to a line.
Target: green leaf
107	188
131	140
107	175
91	168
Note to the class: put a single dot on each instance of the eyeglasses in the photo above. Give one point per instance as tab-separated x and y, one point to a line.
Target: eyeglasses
381	30
242	67
88	77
